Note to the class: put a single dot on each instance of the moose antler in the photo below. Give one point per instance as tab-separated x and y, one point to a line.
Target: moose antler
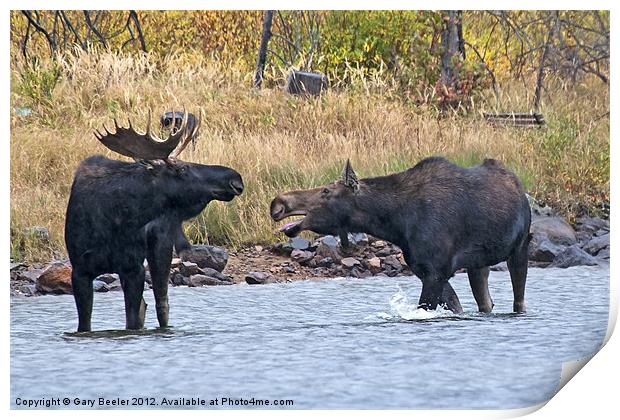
147	146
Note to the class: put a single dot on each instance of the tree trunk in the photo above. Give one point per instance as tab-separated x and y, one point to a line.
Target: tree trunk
262	52
553	26
452	44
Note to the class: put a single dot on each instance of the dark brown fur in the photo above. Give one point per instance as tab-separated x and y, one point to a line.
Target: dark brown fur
444	218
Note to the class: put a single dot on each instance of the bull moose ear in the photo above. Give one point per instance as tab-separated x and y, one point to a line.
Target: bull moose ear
349	178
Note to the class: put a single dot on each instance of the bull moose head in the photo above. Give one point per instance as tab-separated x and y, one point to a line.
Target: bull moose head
326	210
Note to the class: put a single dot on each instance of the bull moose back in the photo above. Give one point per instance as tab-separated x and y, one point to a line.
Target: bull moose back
120	213
443	217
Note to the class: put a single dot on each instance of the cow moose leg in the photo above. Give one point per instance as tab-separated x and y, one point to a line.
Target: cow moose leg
432	290
132	282
159	256
479	282
83	294
517	266
450	299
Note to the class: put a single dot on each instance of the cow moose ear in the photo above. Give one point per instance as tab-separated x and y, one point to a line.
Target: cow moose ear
349	178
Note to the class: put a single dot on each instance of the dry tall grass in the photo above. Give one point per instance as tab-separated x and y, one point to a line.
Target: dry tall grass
278	142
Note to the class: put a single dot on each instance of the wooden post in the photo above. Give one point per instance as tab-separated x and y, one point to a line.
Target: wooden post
262	52
452	44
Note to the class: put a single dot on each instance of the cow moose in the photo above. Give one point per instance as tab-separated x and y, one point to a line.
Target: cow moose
120	213
443	217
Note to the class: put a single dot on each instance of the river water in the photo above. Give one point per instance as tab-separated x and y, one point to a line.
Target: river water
341	343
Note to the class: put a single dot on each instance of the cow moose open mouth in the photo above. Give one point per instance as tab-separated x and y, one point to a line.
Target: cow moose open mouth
279	212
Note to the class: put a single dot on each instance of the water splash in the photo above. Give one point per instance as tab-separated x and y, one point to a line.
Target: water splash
403	308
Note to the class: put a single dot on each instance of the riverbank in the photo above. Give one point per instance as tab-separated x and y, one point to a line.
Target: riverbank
555	243
280	142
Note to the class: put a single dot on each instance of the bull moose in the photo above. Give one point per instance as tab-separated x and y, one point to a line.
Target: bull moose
120	213
443	217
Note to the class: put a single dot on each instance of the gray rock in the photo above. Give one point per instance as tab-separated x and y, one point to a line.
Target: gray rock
115	285
30	276
301	257
324	262
296	243
541	249
100	286
198	280
108	278
215	274
39	232
596	244
188	269
603	253
329	248
28	289
499	267
573	256
391	266
591	224
360	273
557	230
259	277
207	256
350	262
178	279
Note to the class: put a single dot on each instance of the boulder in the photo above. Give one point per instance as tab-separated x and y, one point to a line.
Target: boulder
100	286
178	279
572	256
115	285
29	276
591	224
55	279
259	277
188	269
329	248
596	244
374	262
541	249
323	261
350	262
392	266
295	243
108	278
603	253
207	256
198	280
557	230
302	257
215	274
360	273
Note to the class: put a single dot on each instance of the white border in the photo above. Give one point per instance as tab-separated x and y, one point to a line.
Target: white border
593	393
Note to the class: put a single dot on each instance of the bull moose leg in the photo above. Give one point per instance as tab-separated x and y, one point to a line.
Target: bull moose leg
517	266
83	294
135	308
159	255
479	282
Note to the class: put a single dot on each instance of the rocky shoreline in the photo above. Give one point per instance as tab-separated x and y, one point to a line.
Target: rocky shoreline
555	243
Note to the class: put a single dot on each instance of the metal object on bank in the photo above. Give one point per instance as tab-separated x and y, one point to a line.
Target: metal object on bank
306	83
